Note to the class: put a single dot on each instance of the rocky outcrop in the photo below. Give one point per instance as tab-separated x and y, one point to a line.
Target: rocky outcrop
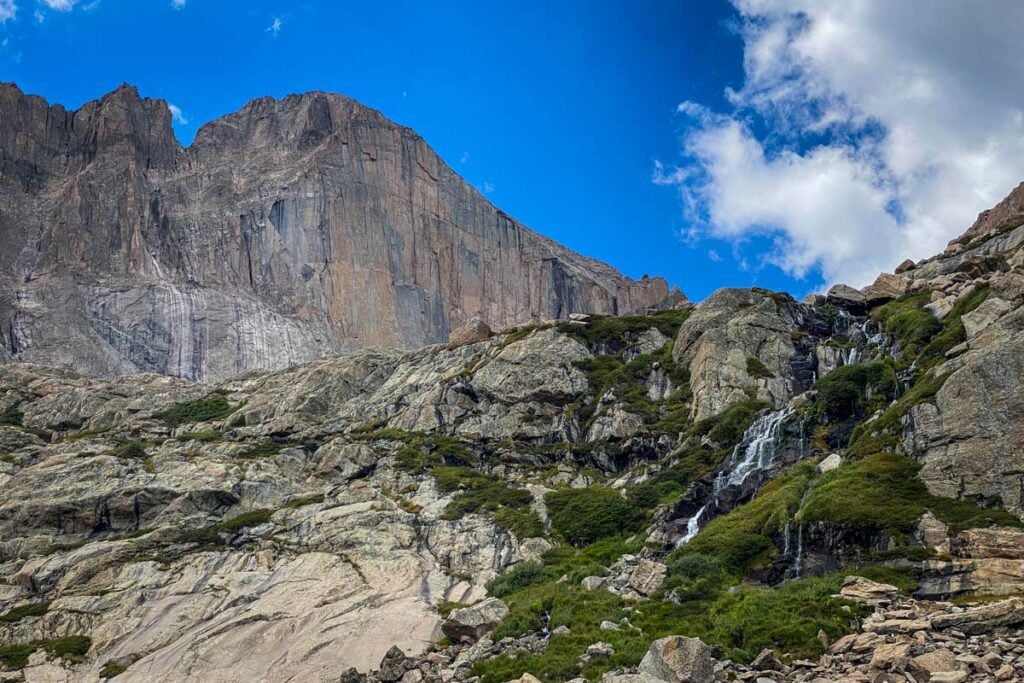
740	342
288	230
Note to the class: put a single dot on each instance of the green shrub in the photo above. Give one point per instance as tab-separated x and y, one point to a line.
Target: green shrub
757	369
518	577
853	390
15	655
908	322
583	516
212	407
35	609
523	523
613	332
11	417
70	648
727	428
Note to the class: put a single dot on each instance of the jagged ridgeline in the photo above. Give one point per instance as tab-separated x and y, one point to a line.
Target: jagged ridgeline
547	500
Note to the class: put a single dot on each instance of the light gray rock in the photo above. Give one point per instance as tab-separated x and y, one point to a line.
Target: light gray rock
471	623
678	659
833	461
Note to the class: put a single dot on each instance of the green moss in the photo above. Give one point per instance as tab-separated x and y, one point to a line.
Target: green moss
113	668
70	648
583	516
883	433
205	436
757	369
907	321
303	501
129	450
212	407
883	493
211	535
35	609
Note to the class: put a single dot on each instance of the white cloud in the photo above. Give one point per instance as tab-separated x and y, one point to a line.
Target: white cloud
176	114
178	4
488	187
60	5
714	256
8	10
275	26
915	109
464	158
39	16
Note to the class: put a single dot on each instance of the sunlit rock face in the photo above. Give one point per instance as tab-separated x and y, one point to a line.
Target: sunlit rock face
287	230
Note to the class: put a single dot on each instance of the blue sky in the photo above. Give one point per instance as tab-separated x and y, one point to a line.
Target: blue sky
659	136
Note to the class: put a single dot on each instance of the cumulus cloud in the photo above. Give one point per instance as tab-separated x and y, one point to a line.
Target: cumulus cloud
177	115
864	132
8	10
60	5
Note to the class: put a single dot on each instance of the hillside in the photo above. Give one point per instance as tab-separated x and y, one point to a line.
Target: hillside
713	471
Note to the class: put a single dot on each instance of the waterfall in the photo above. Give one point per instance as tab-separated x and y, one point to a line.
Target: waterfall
755	453
692	527
757	448
787	535
851	356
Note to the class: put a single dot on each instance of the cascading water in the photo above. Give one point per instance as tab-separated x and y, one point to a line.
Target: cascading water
757	449
692	527
754	454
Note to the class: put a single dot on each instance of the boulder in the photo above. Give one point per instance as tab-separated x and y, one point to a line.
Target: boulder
983	618
990	310
473	331
394	665
888	655
906	265
593	583
648	576
936	661
766	661
867	591
471	623
830	463
847	296
885	288
678	659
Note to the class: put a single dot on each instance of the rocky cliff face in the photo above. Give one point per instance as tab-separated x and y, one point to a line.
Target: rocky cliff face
290	229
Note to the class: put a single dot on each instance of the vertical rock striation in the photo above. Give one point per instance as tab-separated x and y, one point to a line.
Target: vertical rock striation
289	229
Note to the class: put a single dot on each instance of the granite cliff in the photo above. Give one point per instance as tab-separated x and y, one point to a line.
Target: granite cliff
288	230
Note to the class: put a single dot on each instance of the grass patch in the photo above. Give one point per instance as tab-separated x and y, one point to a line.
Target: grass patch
757	369
113	668
129	450
518	577
70	648
35	609
212	407
882	493
263	449
303	501
207	436
583	516
211	535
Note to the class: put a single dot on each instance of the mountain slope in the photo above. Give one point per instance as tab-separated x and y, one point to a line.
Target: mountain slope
287	230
